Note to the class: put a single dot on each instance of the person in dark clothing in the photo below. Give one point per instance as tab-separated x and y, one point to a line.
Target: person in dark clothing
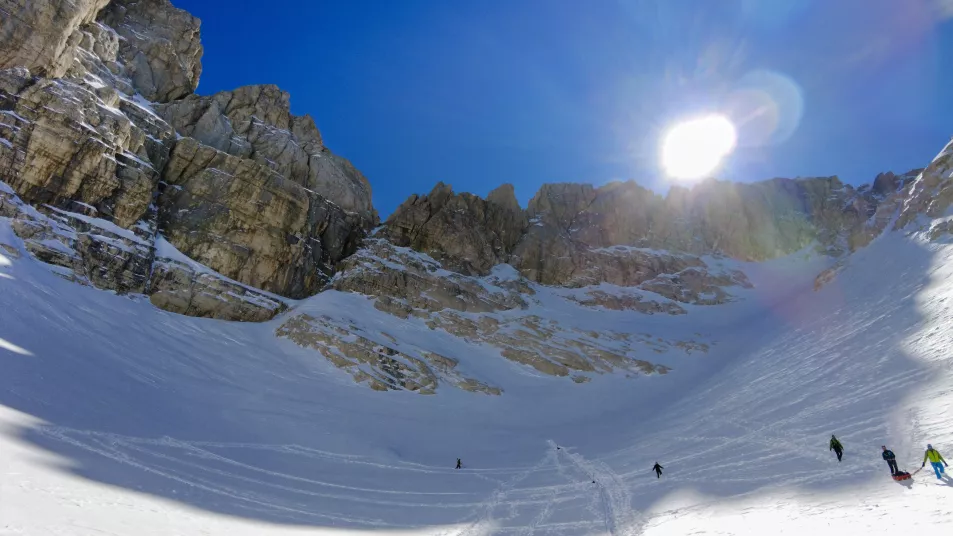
837	447
658	470
891	460
459	464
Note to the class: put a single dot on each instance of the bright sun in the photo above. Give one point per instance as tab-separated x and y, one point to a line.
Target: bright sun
694	149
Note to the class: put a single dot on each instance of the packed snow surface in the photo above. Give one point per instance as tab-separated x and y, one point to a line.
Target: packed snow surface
118	418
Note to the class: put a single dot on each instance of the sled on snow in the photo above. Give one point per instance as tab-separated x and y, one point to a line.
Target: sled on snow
902	475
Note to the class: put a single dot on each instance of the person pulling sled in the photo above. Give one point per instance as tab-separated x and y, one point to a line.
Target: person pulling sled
837	447
891	460
459	464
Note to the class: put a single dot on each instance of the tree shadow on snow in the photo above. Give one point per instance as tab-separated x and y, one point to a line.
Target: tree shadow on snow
153	413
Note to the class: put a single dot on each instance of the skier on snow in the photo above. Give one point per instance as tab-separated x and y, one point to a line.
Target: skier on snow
891	460
836	447
658	470
459	464
936	460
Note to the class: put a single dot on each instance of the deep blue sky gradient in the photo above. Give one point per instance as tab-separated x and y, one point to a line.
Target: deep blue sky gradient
480	92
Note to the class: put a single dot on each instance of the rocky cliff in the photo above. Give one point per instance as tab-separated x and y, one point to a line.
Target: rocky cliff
105	149
577	234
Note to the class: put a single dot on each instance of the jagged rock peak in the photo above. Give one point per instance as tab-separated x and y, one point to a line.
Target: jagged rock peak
562	236
467	233
255	122
160	46
504	195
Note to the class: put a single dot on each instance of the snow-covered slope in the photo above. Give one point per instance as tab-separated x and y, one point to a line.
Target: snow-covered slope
118	418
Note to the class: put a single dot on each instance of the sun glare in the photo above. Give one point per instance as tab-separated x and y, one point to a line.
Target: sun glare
694	149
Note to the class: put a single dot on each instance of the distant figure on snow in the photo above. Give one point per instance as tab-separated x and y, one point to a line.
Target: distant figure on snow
837	447
936	460
658	470
891	460
459	464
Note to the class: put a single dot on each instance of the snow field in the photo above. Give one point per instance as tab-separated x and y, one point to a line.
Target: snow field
118	418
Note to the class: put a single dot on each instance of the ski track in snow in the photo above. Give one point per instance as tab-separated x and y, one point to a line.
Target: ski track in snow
116	418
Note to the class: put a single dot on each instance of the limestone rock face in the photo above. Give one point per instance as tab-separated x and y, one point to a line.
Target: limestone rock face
179	287
625	300
255	122
697	285
82	152
468	234
160	47
43	35
407	283
81	248
578	235
249	223
497	310
377	363
62	143
931	193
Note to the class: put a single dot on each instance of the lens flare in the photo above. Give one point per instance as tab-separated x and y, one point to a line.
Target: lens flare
694	149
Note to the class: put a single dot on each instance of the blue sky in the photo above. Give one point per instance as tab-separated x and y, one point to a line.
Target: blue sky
480	92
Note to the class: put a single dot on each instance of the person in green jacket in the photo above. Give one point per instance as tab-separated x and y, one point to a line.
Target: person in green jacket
936	460
836	447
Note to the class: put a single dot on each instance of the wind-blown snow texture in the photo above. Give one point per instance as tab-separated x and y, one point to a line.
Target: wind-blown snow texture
118	418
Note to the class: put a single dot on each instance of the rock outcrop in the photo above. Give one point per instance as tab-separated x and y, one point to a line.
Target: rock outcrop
466	233
159	45
251	224
65	143
43	35
377	364
255	122
266	206
579	235
81	248
498	310
931	193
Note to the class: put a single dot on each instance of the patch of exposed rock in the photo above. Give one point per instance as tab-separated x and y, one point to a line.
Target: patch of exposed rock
81	248
406	283
376	363
548	347
624	300
697	285
179	287
495	310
